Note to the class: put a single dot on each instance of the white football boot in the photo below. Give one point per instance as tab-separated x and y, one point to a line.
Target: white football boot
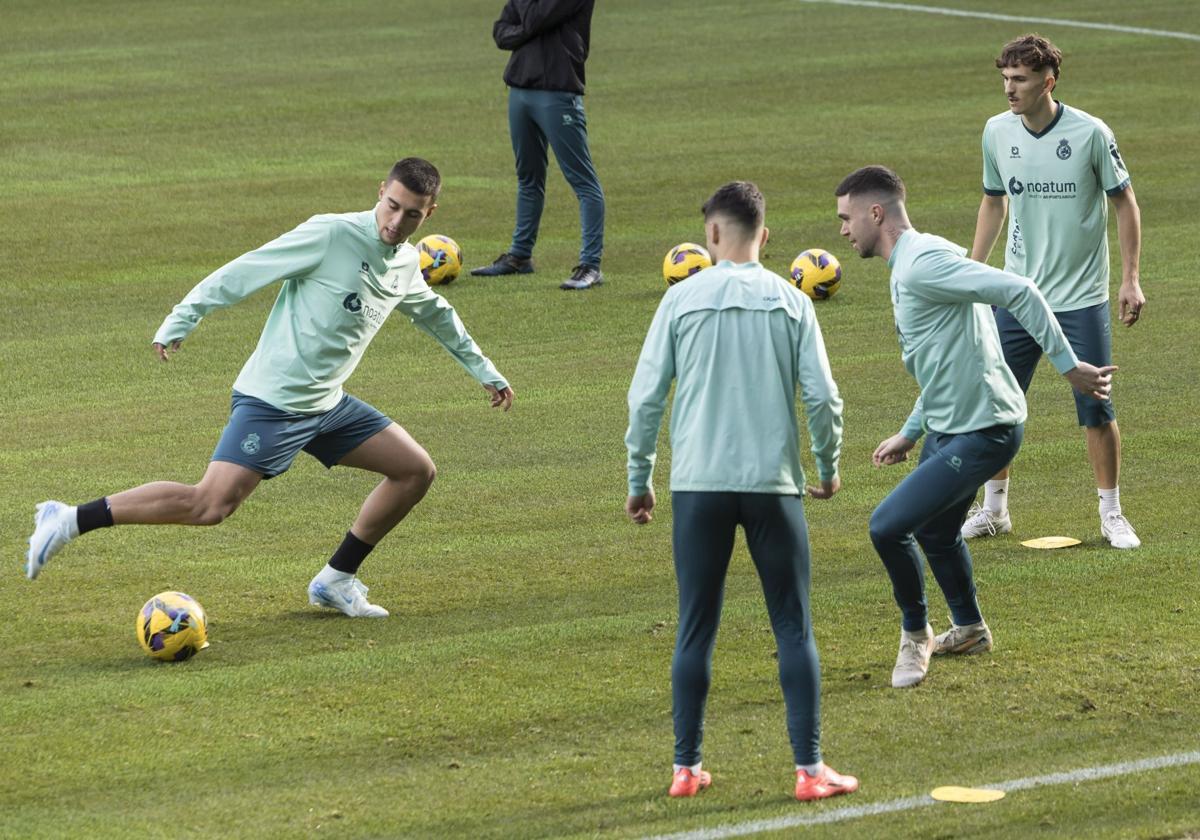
55	525
913	660
1119	533
967	638
982	522
348	596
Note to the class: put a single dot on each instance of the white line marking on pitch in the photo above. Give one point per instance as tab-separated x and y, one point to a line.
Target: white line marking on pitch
938	10
1085	774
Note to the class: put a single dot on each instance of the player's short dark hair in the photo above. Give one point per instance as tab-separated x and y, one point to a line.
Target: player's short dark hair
740	201
1033	51
418	175
874	179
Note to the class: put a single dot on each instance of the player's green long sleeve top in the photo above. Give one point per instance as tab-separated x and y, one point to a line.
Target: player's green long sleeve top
340	283
948	336
736	339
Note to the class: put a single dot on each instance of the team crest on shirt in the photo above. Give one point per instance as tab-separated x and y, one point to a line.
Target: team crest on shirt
1064	149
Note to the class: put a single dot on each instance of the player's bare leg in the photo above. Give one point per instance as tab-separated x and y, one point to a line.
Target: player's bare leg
222	489
407	472
1104	454
219	493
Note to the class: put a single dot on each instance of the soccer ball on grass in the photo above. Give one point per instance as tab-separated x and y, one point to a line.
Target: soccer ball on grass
172	627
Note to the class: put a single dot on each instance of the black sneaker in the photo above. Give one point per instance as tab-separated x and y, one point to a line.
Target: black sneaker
505	264
583	277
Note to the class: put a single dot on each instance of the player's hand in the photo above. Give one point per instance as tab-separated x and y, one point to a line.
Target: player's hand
892	451
1091	380
162	351
1130	302
826	488
639	507
501	398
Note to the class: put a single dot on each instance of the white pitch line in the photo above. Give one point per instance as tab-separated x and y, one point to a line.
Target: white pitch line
938	10
1084	774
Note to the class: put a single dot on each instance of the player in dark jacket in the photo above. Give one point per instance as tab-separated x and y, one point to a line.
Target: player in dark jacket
549	40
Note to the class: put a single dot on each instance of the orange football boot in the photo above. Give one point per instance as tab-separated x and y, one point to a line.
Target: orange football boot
825	783
687	783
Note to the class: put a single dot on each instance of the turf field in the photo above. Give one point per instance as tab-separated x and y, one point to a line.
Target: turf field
521	686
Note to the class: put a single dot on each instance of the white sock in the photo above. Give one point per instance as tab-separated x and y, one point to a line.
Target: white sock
695	768
995	496
922	635
331	575
811	769
73	520
1110	501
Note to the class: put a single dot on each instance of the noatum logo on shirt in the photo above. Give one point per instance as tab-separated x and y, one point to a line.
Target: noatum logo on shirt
1042	189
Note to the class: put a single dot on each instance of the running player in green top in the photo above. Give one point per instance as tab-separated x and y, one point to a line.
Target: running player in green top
1049	167
342	275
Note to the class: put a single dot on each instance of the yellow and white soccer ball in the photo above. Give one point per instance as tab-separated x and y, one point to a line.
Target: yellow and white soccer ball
817	273
172	627
683	261
441	259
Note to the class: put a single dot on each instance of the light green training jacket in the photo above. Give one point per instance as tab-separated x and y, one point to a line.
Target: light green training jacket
736	339
948	336
340	283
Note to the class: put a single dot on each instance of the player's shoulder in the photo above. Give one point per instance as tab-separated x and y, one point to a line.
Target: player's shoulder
335	224
1003	121
1075	118
725	286
928	250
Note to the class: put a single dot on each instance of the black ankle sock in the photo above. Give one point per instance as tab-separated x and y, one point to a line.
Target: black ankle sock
93	515
350	554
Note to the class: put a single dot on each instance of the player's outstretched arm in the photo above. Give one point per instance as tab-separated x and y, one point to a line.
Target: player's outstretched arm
1091	380
501	397
892	451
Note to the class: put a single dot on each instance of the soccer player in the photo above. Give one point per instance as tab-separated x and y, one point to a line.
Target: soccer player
737	339
342	274
549	41
969	404
1049	166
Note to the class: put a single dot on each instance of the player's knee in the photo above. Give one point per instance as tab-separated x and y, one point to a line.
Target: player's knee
213	510
879	529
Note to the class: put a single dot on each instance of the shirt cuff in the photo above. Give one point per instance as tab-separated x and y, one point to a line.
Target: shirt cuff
1065	360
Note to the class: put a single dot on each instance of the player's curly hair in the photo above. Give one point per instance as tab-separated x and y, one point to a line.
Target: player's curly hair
418	175
741	201
1033	51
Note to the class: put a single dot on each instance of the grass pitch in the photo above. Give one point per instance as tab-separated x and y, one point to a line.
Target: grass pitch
521	686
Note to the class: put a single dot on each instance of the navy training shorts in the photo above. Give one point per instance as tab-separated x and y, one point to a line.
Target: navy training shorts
1088	331
266	439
